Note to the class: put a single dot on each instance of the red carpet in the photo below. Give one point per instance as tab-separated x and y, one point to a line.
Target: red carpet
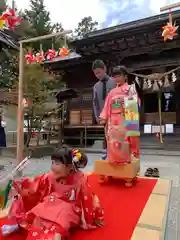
122	206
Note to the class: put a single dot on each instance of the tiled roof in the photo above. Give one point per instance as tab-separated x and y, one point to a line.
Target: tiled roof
7	39
133	25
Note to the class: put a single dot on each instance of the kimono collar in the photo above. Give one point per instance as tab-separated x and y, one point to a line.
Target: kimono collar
125	85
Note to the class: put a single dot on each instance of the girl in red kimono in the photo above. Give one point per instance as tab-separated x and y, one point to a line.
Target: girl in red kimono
53	203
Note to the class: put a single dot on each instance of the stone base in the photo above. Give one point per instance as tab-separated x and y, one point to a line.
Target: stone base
152	222
127	172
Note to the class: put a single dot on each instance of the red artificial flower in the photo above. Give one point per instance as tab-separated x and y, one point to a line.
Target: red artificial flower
51	54
30	58
10	19
40	57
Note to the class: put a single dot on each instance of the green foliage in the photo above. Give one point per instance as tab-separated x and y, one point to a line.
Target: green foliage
58	27
37	84
39	19
8	69
3	6
85	26
24	29
35	22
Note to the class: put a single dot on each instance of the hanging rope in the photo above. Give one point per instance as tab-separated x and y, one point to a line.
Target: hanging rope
65	41
52	44
170	17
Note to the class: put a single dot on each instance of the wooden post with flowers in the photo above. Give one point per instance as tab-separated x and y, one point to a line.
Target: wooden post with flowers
20	140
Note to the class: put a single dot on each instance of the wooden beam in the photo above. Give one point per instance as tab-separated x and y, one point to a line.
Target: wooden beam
169	7
53	35
149	64
151	48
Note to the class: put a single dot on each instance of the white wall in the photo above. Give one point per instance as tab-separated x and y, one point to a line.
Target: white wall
10	117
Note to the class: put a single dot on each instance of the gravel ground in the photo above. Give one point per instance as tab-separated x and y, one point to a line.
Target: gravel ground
169	167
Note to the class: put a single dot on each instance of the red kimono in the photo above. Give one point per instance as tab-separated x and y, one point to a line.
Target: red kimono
45	206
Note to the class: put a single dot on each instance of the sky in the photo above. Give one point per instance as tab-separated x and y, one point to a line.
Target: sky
105	12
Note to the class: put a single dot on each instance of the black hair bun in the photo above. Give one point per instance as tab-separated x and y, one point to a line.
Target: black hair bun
63	155
67	156
120	70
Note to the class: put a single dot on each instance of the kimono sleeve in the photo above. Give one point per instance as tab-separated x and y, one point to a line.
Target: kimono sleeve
133	92
106	110
92	211
32	186
27	194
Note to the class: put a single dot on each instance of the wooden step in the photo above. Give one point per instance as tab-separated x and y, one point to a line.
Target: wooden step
127	172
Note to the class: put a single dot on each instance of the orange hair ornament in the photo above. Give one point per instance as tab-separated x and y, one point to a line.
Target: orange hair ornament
169	30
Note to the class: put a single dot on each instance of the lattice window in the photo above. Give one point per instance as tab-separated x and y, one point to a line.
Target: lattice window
87	97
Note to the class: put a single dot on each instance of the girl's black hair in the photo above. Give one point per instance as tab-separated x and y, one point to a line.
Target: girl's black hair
64	156
119	70
122	70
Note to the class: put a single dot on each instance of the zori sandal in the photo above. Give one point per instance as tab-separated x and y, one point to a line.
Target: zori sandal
155	173
148	172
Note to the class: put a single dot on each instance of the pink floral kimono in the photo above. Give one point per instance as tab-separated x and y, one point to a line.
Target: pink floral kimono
120	148
45	207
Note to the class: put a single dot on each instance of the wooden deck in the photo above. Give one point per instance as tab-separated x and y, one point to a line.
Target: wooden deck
84	127
83	134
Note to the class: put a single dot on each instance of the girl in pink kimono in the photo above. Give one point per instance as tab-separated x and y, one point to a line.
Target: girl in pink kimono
120	148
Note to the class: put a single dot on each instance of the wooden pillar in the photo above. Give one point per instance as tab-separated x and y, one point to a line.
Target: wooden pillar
20	133
159	70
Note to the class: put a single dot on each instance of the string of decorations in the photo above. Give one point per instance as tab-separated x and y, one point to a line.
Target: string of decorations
170	29
154	84
9	19
50	55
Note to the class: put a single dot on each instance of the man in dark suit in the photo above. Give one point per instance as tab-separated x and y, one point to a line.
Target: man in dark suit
101	89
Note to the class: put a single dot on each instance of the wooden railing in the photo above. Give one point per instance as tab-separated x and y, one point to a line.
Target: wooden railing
167	117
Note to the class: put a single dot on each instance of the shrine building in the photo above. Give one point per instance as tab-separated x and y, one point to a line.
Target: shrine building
139	46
